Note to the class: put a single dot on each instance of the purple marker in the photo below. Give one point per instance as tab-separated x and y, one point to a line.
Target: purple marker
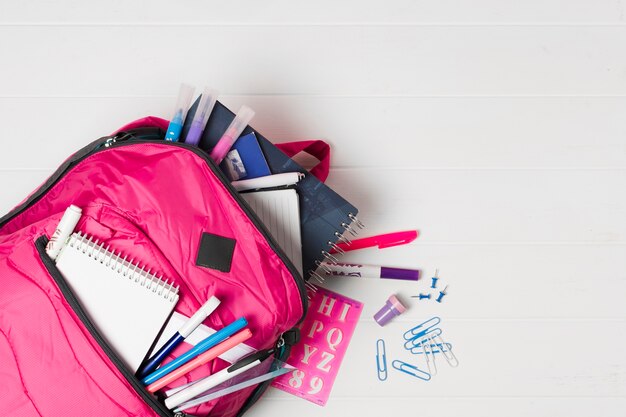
203	111
392	308
371	271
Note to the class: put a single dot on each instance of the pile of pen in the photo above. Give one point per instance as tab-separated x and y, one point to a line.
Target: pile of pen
228	138
156	377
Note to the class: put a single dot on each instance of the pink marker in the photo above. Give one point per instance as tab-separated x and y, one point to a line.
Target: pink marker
207	356
381	241
229	137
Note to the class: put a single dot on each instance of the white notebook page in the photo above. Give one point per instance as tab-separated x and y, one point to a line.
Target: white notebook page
128	315
279	211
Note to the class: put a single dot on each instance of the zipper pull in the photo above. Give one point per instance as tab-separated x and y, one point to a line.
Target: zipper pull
109	142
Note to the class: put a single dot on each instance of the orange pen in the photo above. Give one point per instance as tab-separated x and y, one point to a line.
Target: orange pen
207	356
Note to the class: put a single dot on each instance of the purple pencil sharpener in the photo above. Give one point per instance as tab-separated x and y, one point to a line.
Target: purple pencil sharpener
392	308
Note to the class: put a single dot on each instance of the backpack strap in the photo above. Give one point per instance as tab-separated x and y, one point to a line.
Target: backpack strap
316	148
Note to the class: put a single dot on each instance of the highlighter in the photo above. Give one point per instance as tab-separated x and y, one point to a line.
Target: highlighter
180	112
229	137
205	107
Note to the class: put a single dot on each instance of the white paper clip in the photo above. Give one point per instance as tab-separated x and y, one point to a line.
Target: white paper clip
421	329
434	348
381	359
430	358
409	369
447	353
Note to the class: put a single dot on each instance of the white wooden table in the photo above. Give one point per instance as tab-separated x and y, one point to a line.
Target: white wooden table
496	128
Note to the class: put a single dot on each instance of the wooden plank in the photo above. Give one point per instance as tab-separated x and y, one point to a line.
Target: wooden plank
320	12
440	132
314	60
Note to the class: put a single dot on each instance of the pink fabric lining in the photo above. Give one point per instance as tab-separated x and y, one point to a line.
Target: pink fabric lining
152	201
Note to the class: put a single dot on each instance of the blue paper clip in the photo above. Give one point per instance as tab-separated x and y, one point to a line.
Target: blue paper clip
409	369
417	342
381	359
421	329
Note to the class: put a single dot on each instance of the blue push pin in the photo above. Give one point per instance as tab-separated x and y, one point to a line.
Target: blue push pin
435	279
442	294
421	296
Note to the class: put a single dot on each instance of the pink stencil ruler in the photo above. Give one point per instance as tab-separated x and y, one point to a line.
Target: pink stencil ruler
325	335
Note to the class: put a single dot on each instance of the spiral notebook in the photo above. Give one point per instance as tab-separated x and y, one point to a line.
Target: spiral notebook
325	216
128	305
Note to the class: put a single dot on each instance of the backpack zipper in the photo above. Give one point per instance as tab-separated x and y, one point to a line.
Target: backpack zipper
71	299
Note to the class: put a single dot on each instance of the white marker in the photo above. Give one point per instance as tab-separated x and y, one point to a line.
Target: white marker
269	181
63	231
214	380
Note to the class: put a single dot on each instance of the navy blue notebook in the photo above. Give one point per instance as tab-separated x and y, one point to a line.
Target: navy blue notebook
323	212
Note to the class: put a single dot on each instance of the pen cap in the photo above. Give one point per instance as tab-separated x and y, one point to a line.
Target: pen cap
199	316
205	107
185	94
229	137
239	123
392	308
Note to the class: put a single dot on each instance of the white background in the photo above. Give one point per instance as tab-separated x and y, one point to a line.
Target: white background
496	128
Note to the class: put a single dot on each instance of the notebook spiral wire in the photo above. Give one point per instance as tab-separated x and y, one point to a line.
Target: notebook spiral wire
322	270
127	269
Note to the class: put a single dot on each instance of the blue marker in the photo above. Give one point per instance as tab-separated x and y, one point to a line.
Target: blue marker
182	105
190	325
201	347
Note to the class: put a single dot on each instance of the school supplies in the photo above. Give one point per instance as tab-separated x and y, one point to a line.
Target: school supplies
434	282
442	294
422	329
422	296
431	363
246	150
381	241
324	215
63	231
269	181
127	304
435	278
202	359
427	339
212	381
178	119
198	349
200	118
221	390
371	271
186	329
177	320
279	211
326	333
232	133
381	360
392	308
446	350
409	369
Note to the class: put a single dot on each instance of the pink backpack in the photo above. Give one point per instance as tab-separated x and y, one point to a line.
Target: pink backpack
154	199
